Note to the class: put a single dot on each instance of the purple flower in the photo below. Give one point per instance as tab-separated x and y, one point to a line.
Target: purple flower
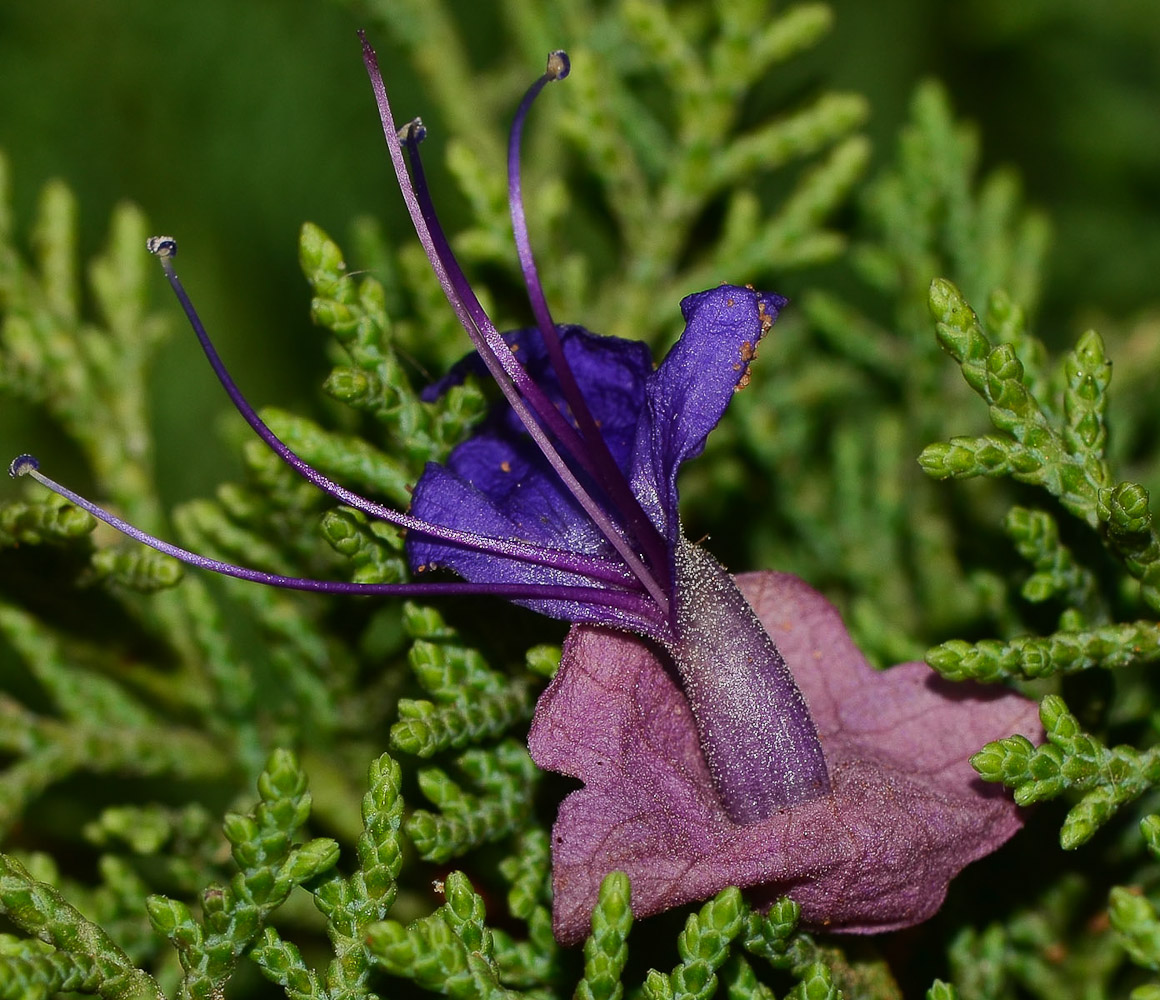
704	762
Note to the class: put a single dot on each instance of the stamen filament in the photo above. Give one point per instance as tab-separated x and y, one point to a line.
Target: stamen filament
593	567
633	603
608	473
481	325
495	355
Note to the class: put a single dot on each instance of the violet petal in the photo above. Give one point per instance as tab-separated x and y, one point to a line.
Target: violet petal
611	371
444	498
652	421
687	395
499	478
907	811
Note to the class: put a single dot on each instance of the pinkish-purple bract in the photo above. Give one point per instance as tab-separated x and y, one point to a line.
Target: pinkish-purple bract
906	813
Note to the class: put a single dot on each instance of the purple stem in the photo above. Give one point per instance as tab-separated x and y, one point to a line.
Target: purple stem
607	472
633	603
497	356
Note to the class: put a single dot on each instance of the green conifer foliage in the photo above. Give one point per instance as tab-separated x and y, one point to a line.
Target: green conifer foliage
210	789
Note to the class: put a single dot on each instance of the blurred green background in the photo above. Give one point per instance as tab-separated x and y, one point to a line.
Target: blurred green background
232	122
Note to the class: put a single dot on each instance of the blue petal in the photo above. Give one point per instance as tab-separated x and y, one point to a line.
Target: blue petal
443	497
497	483
687	395
501	463
611	373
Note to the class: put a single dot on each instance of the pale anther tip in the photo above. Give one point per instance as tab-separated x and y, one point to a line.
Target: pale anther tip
22	465
161	246
413	131
559	65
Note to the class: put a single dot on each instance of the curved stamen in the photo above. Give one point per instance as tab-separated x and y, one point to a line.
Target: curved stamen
634	604
608	473
409	136
496	356
165	248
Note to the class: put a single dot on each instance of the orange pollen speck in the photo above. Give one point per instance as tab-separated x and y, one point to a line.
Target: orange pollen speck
747	351
505	466
766	319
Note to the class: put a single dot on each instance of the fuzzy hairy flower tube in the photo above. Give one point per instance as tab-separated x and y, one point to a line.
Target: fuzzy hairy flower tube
726	730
